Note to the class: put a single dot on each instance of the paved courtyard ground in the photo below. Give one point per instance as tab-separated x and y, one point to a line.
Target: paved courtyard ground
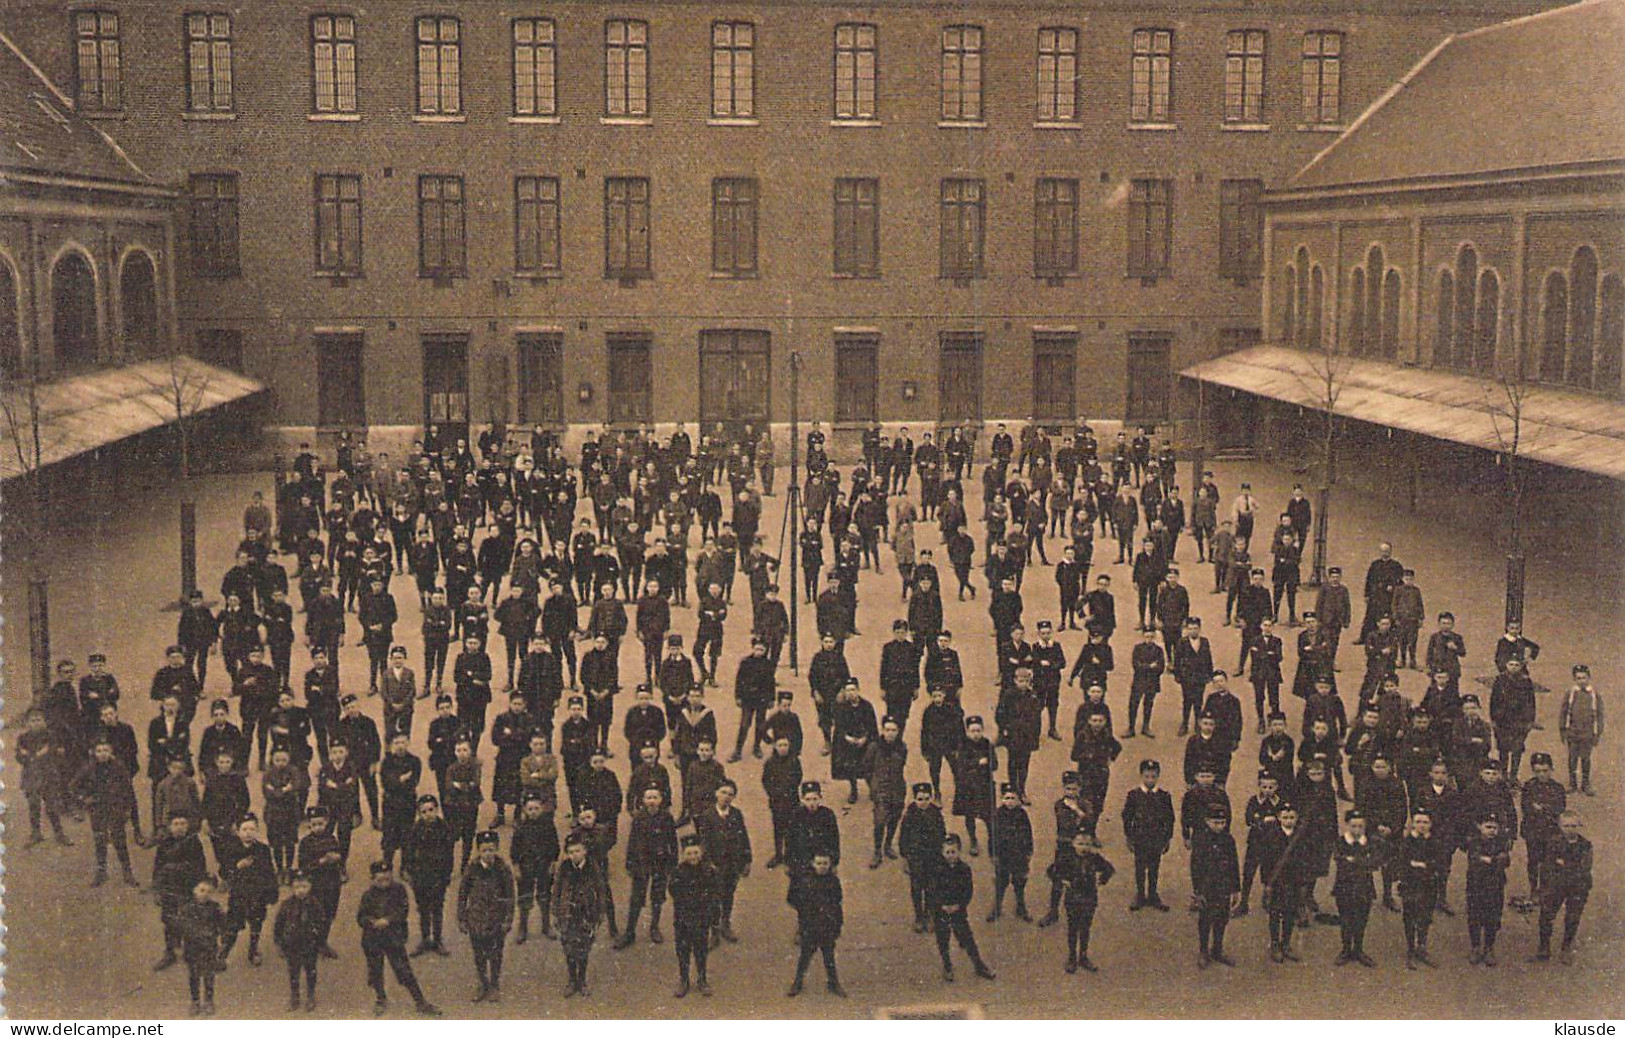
75	952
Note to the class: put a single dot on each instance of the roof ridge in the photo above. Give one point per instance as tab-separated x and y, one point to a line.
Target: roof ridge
1483	30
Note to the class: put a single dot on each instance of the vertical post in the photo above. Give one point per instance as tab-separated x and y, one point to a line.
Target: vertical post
1317	571
39	627
188	548
792	505
1199	454
1514	612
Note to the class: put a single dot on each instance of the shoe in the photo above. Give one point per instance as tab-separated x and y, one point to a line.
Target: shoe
1489	957
1053	734
682	990
1087	965
1422	957
1222	959
1128	734
570	990
920	926
1541	956
993	916
891	853
63	841
1261	727
1158	904
293	1004
1365	960
1410	960
479	996
1146	731
326	951
774	862
423	948
164	963
1290	956
1566	956
794	989
130	880
1184	730
624	941
427	1008
197	1009
1476	957
728	934
1072	965
655	937
1390	904
703	987
1444	908
522	936
1201	960
100	878
1048	921
1021	913
254	957
874	862
975	849
310	1003
985	973
1587	790
1275	954
441	950
734	758
1137	904
834	988
380	1007
948	974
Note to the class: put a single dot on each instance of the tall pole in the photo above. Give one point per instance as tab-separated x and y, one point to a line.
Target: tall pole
793	506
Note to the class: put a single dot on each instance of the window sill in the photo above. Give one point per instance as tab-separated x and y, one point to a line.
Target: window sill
442	280
539	276
855	124
731	120
534	120
1057	124
1321	127
1245	127
1154	127
119	116
961	124
422	118
208	117
720	275
625	120
857	277
338	275
333	117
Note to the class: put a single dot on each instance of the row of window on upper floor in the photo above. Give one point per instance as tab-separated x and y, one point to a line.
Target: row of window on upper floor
1581	337
628	253
335	79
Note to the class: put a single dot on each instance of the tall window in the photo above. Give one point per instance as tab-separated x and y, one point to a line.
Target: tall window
440	66
11	332
536	225
1390	314
626	68
1315	325
1153	75
626	227
332	61
856	69
98	61
1355	343
1323	78
535	67
733	70
541	378
857	378
962	72
857	227
338	224
1443	349
1150	228
442	230
1055	227
1375	266
1150	375
1302	326
1289	306
963	216
733	226
1241	228
340	381
1466	305
1610	336
1244	76
212	227
1054	372
1487	324
1582	315
208	62
1057	74
631	378
1554	327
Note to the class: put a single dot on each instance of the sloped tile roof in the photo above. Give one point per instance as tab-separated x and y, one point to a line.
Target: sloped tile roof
1541	91
41	134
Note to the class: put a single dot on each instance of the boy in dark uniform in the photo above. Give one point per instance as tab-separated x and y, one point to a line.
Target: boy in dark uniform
249	874
1543	803
575	750
297	930
426	864
382	918
1072	814
942	727
1148	826
1081	872
1263	808
510	734
338	788
781	781
644	724
817	901
399	774
1357	856
693	910
41	756
1381	798
651	853
949	893
201	923
485	903
1275	752
784	722
919	840
1216	882
1488	855
1418	863
177	865
1286	861
726	840
1010	842
1149	660
105	788
463	795
1565	883
323	863
443	732
976	765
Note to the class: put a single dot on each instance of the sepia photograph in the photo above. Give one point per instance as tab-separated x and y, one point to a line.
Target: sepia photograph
702	511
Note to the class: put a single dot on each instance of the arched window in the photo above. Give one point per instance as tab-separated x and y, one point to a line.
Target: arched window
74	325
1317	301
1390	314
1461	355
1582	315
138	302
1289	314
1611	335
1554	327
1303	296
1488	323
1354	345
1375	263
1442	357
11	334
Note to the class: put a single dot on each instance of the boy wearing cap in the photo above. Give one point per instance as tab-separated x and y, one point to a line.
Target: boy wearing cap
644	724
471	676
1011	846
321	860
247	871
104	785
900	672
426	864
1334	609
975	767
813	829
1512	712
693	912
576	908
443	732
1202	795
1408	611
726	842
817	900
177	865
949	893
399	774
1148	828
1580	721
485	904
651	853
1542	805
754	687
1264	666
1446	649
1263	809
1192	664
781	781
576	750
884	760
463	795
360	733
382	918
338	788
1469	744
534	849
702	779
1565	883
297	930
1149	661
399	688
1357	856
919	838
1216	882
201	923
1080	871
1417	860
1488	854
510	734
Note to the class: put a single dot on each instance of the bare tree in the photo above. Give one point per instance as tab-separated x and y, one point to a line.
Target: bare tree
22	413
182	389
1507	392
1324	382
